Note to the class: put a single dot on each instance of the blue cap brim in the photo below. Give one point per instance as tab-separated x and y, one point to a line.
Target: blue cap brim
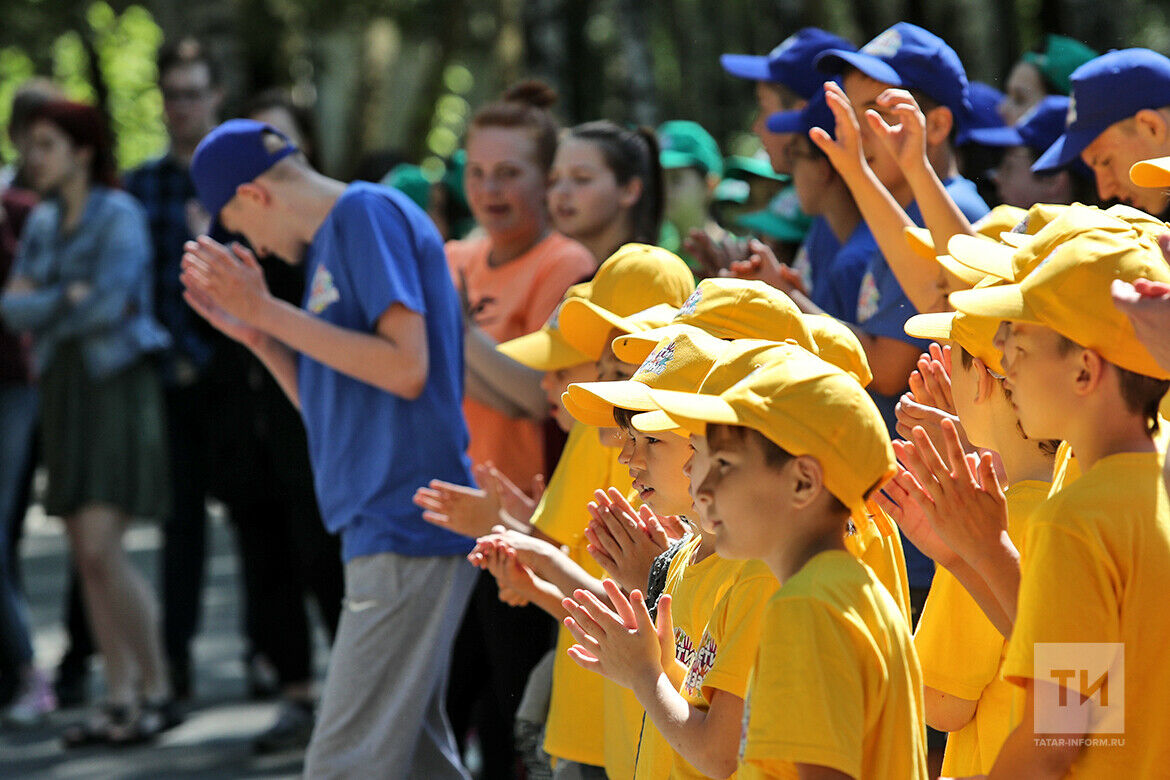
1064	150
994	136
835	61
785	122
746	66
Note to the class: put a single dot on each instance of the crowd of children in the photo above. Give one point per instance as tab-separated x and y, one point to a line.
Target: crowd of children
795	522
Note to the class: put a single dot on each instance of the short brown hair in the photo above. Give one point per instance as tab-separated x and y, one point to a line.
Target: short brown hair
1142	394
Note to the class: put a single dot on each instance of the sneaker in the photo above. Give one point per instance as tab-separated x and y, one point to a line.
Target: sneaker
33	703
291	731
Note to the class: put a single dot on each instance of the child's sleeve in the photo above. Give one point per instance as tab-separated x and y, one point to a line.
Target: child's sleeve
734	631
807	700
1068	593
380	256
957	645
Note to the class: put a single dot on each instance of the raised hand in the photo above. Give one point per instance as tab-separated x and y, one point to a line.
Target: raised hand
931	382
845	153
963	502
905	140
911	414
621	540
713	256
465	510
622	644
219	319
761	265
232	281
902	498
1147	304
505	493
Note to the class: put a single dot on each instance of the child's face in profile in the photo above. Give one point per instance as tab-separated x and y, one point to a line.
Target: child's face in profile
555	383
742	496
610	369
657	463
696	471
1040	378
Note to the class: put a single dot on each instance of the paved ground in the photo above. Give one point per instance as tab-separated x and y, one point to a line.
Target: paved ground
214	740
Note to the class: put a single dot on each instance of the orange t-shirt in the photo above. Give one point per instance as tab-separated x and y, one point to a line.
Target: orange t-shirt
510	301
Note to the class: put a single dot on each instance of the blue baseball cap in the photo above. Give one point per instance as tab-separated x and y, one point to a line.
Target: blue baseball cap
816	113
790	63
1113	87
985	100
230	155
908	56
1038	129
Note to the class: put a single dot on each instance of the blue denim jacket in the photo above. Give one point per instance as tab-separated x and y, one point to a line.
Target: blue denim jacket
110	250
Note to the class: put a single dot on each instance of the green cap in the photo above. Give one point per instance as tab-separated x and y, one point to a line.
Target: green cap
409	179
1061	56
686	144
740	167
782	220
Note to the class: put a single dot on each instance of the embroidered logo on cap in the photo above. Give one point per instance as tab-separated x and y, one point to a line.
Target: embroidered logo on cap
658	360
885	45
689	305
784	46
1071	116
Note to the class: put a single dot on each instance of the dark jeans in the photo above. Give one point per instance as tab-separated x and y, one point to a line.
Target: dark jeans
495	650
287	556
18	422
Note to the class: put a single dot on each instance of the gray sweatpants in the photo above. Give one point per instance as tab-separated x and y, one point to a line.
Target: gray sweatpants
383	710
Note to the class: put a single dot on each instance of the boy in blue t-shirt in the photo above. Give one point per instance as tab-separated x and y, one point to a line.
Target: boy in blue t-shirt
373	360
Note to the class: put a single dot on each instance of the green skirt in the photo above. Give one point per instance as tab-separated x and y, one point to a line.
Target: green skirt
104	441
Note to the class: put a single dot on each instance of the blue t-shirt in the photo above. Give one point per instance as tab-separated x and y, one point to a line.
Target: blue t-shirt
370	449
841	282
882	310
815	256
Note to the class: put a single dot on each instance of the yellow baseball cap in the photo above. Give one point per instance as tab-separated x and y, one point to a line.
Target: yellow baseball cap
586	326
838	345
678	362
1068	288
632	279
974	334
806	407
727	309
999	220
1151	173
998	256
546	349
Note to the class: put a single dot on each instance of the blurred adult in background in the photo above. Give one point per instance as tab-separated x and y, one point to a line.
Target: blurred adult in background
21	683
512	277
82	286
263	476
607	187
189	80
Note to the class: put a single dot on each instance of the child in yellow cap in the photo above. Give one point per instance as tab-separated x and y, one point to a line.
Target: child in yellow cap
1091	582
959	646
795	447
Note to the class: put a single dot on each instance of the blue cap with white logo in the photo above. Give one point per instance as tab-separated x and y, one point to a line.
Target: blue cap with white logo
790	63
1113	87
1038	129
908	56
816	113
230	155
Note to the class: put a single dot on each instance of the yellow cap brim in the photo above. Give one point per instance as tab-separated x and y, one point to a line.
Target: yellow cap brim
989	257
693	411
935	325
921	241
584	325
1151	173
1002	302
967	276
544	350
595	401
657	421
1014	240
636	347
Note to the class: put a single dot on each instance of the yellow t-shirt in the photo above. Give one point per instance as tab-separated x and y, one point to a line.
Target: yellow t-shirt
1067	470
576	711
961	650
696	589
882	552
837	681
1094	571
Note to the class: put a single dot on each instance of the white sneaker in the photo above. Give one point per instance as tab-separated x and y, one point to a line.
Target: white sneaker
35	701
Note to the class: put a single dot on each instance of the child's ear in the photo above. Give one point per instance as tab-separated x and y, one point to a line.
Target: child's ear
809	480
939	122
1091	369
985	385
631	192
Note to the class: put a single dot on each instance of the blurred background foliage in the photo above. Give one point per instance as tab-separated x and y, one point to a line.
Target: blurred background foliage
405	75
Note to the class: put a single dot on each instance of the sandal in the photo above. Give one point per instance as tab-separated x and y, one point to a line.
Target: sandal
98	727
151	720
